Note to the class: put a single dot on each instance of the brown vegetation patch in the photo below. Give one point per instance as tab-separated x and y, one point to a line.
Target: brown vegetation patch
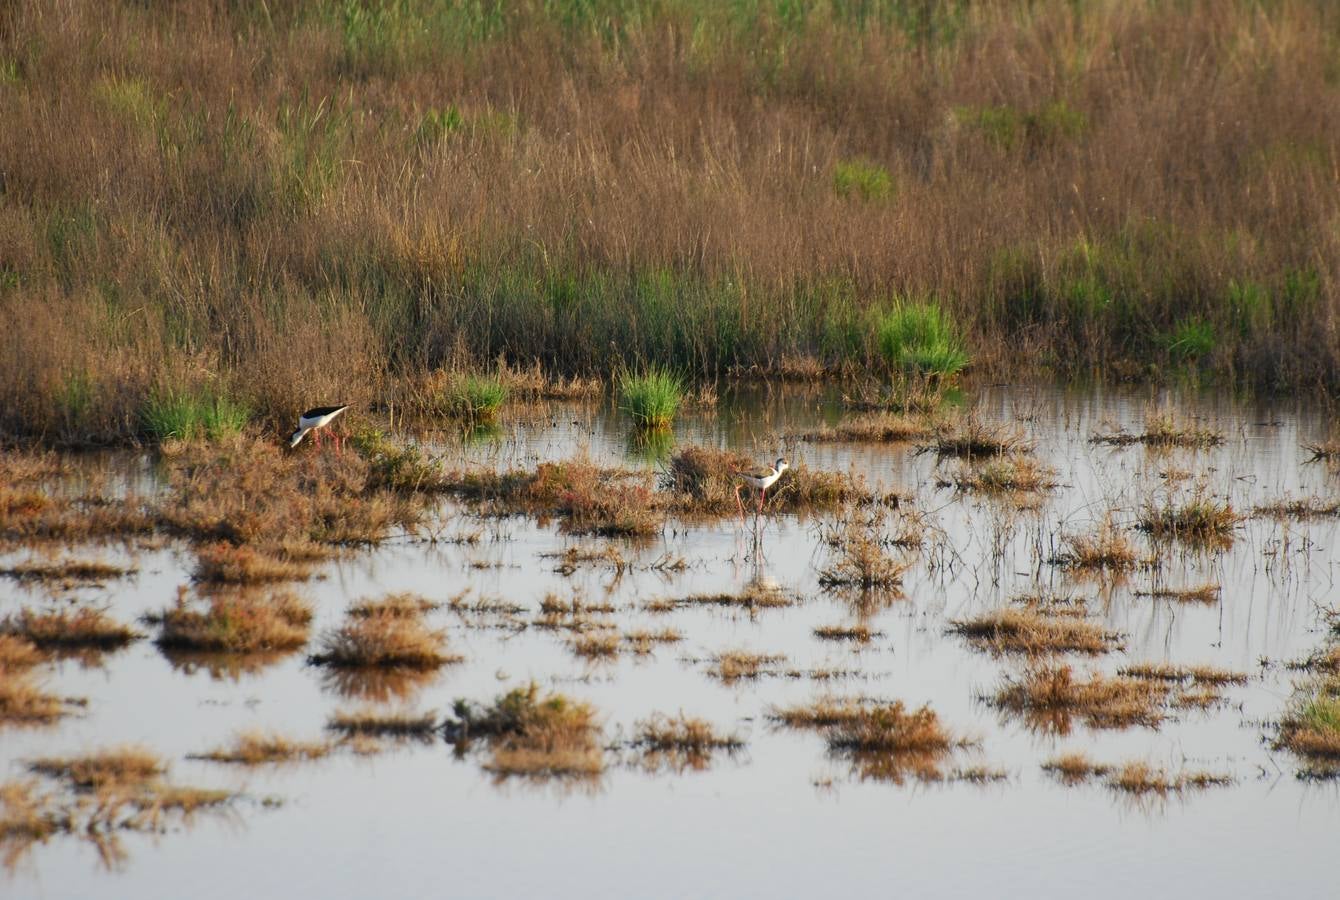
1030	631
702	480
1135	777
1104	549
1014	474
120	765
755	595
972	438
530	736
1049	698
245	622
859	559
389	633
1311	727
858	633
24	703
225	563
1209	675
18	654
879	428
70	571
253	748
1300	509
1201	520
644	641
680	742
597	645
732	665
1164	428
887	742
381	723
1200	593
80	628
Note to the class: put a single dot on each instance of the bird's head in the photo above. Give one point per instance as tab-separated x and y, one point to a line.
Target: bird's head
782	464
296	437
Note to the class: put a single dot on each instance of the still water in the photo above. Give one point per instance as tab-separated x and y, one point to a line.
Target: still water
781	818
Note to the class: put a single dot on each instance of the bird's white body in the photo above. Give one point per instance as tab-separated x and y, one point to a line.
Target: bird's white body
762	479
314	419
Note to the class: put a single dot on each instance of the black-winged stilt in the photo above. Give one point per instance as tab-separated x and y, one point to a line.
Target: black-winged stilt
761	479
314	420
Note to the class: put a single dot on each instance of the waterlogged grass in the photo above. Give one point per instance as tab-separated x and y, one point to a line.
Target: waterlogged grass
921	339
475	399
651	398
180	416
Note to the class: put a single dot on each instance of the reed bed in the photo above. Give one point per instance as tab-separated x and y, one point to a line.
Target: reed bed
629	201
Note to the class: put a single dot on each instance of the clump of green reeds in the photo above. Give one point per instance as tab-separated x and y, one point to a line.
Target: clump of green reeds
1311	727
184	416
920	339
862	178
650	397
474	399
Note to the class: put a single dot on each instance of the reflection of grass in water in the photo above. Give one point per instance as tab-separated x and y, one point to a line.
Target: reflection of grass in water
651	445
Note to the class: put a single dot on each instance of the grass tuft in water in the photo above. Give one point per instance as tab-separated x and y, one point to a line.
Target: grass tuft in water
651	397
920	339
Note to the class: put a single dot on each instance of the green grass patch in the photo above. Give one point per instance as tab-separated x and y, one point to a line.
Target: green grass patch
651	397
474	398
1191	339
920	338
860	178
172	415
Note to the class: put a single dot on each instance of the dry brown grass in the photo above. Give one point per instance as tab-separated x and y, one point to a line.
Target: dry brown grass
403	605
70	571
24	703
755	595
119	765
585	497
889	743
822	712
859	559
1050	698
680	742
254	748
1201	520
531	736
1206	675
859	633
69	629
1136	777
1029	631
971	438
381	723
1013	474
879	428
18	654
389	633
225	563
731	666
644	640
598	645
1300	509
1104	549
702	480
1164	428
230	622
1200	593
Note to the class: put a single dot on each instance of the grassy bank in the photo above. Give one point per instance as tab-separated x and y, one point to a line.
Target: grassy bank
295	203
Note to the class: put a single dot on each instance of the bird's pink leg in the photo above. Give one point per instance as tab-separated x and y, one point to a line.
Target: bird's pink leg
738	501
761	492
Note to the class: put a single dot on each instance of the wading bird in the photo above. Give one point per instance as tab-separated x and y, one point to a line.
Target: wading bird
314	420
761	479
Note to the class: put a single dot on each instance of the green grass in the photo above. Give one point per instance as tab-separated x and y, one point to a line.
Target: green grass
651	398
920	339
172	415
858	178
475	398
1191	339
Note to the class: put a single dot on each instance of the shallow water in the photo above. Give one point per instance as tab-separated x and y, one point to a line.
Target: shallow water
782	817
